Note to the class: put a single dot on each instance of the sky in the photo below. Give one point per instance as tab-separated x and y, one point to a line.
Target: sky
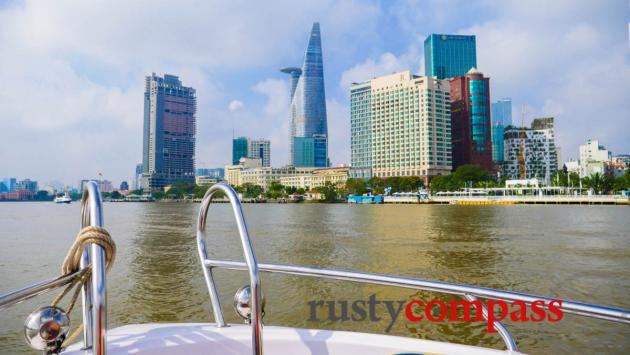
72	72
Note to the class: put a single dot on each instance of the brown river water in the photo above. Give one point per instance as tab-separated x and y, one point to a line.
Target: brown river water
580	253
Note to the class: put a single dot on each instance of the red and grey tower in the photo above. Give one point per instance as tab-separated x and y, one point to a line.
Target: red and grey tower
470	120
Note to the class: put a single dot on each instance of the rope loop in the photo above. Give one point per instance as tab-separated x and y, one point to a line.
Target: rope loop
72	264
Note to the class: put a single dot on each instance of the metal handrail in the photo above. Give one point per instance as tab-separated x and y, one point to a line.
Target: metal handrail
471	293
578	308
250	259
94	294
94	310
40	288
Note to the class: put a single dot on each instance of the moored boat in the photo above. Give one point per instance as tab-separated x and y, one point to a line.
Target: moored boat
63	198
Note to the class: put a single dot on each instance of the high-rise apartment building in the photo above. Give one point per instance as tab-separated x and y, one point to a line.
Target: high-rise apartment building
243	147
593	158
400	126
448	56
239	149
260	148
531	152
308	128
470	120
501	118
169	132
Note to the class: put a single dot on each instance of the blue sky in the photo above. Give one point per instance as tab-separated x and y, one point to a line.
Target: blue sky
73	71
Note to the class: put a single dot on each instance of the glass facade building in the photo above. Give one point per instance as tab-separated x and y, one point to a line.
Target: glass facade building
448	56
243	147
501	118
470	116
310	151
360	131
308	106
239	149
169	132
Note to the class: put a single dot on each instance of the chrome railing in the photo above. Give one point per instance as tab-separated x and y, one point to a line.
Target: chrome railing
471	293
250	259
94	294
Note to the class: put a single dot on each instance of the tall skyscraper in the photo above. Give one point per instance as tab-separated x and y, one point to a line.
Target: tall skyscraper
400	126
260	148
531	152
470	120
501	118
169	132
239	149
448	56
308	108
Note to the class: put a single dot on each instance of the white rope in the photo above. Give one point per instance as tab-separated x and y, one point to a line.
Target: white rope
72	264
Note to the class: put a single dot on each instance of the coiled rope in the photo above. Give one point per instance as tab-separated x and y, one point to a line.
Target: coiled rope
72	264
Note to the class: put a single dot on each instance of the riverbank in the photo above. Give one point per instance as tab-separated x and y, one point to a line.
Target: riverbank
609	200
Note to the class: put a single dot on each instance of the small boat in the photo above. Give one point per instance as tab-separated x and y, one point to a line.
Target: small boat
63	198
47	328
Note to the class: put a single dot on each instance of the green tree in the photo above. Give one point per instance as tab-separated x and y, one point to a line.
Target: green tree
42	195
116	195
329	190
446	183
622	183
377	185
250	190
275	190
471	174
601	183
200	190
180	190
356	186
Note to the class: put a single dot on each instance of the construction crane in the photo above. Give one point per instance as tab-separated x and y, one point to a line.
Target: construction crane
521	147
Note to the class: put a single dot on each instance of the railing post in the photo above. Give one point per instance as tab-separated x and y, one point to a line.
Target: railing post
94	294
503	331
250	259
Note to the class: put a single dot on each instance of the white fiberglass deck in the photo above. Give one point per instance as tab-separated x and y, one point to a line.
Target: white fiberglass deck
203	338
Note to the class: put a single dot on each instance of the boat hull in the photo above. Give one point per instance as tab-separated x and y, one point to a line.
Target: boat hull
198	338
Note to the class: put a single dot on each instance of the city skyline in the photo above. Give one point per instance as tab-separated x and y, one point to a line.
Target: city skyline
77	99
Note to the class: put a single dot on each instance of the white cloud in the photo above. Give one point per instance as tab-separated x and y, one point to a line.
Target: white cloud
387	63
235	105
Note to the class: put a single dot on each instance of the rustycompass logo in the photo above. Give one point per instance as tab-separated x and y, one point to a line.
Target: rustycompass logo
416	310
